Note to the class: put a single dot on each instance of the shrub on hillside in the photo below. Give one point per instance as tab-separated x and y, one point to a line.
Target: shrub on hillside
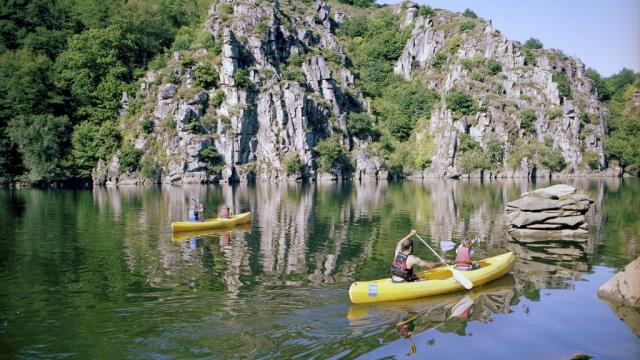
528	118
148	125
330	153
460	102
293	164
469	14
205	75
129	158
533	43
560	78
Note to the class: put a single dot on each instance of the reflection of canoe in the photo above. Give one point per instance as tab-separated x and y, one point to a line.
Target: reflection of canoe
186	235
439	281
215	223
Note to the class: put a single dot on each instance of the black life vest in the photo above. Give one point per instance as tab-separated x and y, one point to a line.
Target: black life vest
399	268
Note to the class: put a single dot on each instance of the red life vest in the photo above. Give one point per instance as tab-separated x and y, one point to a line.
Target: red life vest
399	268
463	258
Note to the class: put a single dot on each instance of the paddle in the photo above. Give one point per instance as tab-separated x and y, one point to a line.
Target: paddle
456	274
447	245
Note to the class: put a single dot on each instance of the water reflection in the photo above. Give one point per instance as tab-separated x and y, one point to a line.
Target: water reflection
278	285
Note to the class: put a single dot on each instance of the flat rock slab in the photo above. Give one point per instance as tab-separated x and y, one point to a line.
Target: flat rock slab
567	221
553	192
624	287
535	204
533	235
528	218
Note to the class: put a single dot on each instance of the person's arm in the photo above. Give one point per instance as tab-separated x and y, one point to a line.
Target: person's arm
399	245
414	260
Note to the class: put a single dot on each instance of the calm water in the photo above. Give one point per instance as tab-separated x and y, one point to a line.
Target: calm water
97	274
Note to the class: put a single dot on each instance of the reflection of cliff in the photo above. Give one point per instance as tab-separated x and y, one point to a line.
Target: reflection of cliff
283	213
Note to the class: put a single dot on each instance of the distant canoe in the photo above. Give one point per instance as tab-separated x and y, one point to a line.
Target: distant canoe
178	236
215	223
438	281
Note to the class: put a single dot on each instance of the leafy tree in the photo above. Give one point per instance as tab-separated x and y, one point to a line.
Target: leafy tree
460	102
359	3
241	78
533	43
469	14
41	140
604	93
330	153
205	75
439	60
95	70
91	142
210	156
494	67
560	78
360	125
528	118
129	158
426	11
553	160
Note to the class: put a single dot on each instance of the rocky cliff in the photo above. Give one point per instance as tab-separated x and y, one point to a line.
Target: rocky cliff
272	80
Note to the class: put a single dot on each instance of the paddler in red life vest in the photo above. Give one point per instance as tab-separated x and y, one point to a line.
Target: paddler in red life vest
404	260
464	256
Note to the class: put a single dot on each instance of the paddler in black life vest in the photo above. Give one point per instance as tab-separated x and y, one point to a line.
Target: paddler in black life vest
404	260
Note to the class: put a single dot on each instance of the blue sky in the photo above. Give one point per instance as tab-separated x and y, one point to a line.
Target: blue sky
605	35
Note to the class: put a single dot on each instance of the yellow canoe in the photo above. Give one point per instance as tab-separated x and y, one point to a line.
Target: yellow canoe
215	223
438	281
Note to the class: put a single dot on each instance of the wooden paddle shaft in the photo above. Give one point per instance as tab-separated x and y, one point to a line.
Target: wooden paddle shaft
427	245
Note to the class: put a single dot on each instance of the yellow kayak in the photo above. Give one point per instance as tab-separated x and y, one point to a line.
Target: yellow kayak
215	223
438	281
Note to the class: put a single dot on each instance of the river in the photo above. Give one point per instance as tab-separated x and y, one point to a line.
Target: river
98	274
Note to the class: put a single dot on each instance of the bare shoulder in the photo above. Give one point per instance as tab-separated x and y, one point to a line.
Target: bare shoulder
413	260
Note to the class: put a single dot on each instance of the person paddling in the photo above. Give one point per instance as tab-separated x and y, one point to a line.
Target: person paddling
464	256
404	260
225	213
195	212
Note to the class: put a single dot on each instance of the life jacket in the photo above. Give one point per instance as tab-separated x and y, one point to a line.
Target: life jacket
399	268
225	214
193	215
463	258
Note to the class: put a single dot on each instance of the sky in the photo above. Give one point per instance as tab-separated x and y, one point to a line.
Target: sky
605	35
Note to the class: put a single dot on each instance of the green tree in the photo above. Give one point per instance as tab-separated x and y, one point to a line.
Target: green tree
330	153
460	102
469	14
91	142
41	140
560	78
205	75
533	43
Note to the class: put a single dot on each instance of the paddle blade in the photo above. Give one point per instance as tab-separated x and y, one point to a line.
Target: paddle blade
462	279
447	245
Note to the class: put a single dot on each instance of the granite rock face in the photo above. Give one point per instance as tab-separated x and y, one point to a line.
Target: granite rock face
285	82
553	213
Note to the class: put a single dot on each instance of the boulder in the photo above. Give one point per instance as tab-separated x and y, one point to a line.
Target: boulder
567	221
553	192
527	218
535	204
624	287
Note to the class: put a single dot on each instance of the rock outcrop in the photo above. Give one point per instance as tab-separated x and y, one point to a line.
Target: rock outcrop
624	287
552	213
282	82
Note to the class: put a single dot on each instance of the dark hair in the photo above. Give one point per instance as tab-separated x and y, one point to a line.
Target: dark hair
407	244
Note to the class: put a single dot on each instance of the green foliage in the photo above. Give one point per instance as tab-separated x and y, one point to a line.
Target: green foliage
129	158
467	25
554	112
41	141
241	78
332	57
210	156
466	143
293	164
460	102
473	157
91	142
528	118
184	38
261	27
292	74
553	160
592	159
439	60
218	98
623	121
494	67
330	154
423	150
206	76
359	3
469	14
226	8
477	76
604	93
402	105
473	63
560	78
587	118
533	43
150	168
360	125
529	57
426	11
374	51
187	61
148	125
296	60
173	78
454	44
